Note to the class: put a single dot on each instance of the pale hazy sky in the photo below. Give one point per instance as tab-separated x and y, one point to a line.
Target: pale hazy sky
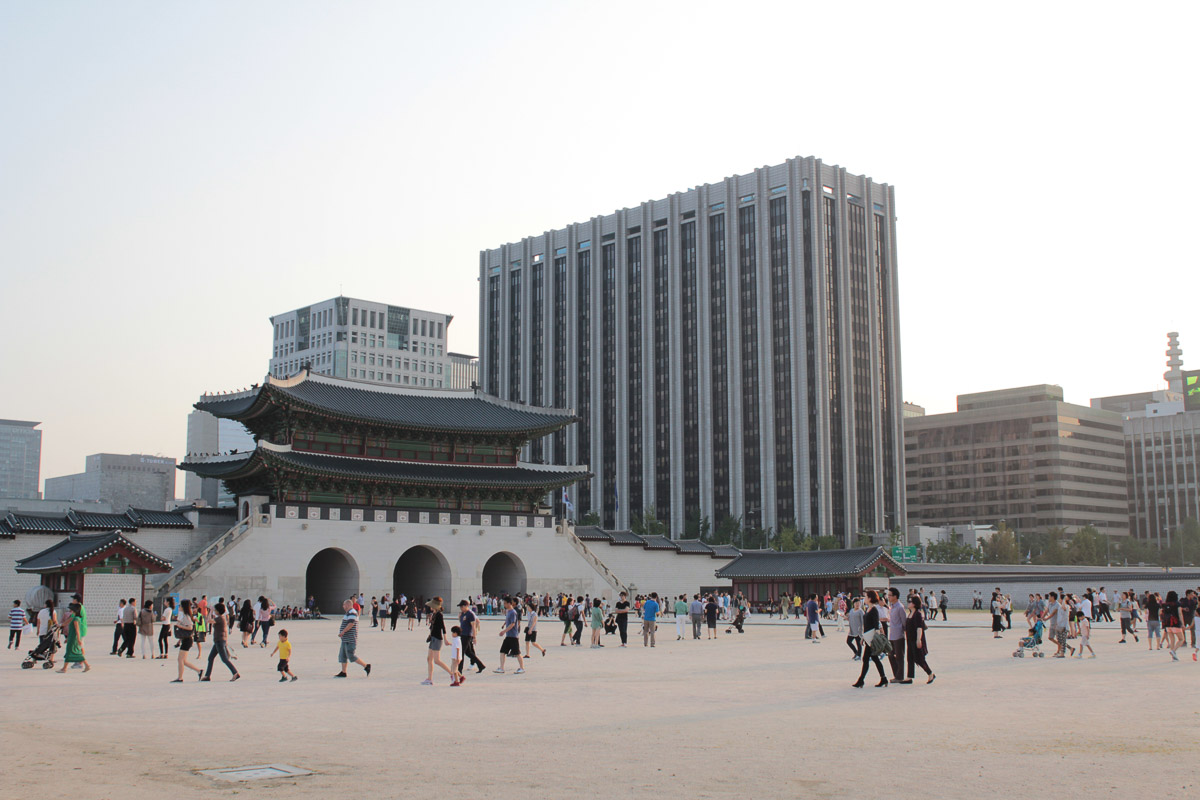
172	174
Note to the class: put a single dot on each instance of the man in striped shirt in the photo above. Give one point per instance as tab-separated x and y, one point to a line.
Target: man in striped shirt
348	633
16	621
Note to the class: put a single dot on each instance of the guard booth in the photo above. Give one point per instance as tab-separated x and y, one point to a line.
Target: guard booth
103	568
764	576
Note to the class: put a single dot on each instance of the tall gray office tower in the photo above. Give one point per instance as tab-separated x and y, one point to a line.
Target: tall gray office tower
732	350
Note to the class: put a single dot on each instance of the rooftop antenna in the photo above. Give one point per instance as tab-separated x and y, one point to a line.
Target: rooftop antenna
1174	375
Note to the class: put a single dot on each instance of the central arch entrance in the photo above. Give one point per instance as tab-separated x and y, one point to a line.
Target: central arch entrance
331	577
504	574
422	572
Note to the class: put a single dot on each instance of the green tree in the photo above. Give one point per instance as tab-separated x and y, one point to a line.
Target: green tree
590	518
788	539
1001	548
1048	547
827	543
951	553
1086	546
648	524
728	531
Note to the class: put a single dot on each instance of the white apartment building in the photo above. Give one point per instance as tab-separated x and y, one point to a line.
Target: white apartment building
368	341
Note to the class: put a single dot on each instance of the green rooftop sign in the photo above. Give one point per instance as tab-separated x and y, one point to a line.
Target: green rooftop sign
906	555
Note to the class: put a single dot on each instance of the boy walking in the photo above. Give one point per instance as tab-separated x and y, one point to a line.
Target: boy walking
456	656
512	643
16	621
284	647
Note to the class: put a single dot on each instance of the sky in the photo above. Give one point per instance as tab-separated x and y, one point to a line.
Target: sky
173	174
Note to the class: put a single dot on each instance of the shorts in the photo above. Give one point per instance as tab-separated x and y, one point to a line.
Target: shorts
1153	628
1060	636
531	636
282	666
435	645
511	646
346	652
201	636
185	644
816	628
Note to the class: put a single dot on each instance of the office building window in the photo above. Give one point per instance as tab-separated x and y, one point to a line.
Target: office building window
748	306
781	361
494	336
634	373
718	365
514	335
690	351
583	263
837	478
608	382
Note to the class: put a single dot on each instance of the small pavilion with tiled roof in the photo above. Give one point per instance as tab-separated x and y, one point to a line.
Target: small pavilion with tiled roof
68	566
766	574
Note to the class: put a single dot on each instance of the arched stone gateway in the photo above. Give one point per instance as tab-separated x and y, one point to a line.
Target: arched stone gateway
504	574
332	577
422	572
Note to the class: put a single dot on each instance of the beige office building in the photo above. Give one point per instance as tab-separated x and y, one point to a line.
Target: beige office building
1020	455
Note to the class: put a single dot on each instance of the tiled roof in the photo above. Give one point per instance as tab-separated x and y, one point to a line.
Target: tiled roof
658	543
590	533
724	551
625	537
79	547
36	523
94	521
808	564
693	546
400	407
75	520
406	472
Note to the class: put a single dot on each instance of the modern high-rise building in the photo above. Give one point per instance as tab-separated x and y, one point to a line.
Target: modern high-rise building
367	341
125	481
1162	443
208	435
20	459
1022	456
464	371
732	350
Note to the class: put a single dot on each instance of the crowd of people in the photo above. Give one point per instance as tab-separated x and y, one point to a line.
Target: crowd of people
875	626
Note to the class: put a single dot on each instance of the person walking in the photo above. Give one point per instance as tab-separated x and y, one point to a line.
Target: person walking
918	647
531	622
1125	611
711	610
76	630
681	616
394	609
468	624
997	615
129	614
854	621
943	604
1172	623
896	635
246	622
813	616
220	643
283	646
265	617
870	653
578	611
184	627
650	619
622	615
436	638
16	624
118	627
511	645
166	621
145	628
696	612
348	634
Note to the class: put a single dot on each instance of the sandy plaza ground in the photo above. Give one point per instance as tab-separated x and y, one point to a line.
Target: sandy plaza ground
759	715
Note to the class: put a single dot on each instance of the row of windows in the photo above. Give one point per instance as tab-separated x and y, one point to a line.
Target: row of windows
387	377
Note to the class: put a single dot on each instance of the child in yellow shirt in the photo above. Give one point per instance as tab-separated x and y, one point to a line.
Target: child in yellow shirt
283	646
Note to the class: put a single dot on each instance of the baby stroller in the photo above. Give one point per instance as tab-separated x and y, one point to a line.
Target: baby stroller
1031	643
44	652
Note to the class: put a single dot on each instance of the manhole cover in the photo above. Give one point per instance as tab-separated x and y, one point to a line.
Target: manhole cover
255	773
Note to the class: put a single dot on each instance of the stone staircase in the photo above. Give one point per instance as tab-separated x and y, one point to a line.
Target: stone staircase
205	558
600	567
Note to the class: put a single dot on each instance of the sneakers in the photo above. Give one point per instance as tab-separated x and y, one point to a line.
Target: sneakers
499	670
454	683
237	675
283	679
295	678
205	679
340	675
521	670
367	669
427	682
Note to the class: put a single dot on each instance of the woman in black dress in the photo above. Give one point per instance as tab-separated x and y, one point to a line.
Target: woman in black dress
710	616
870	626
246	621
916	646
997	615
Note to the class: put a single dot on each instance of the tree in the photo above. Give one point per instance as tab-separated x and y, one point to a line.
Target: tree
951	553
788	540
728	531
1001	548
1087	546
648	524
590	518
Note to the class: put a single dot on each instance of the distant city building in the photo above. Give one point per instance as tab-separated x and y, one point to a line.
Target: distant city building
123	481
464	371
732	351
364	340
1161	449
208	435
1139	404
911	410
970	534
1019	455
20	458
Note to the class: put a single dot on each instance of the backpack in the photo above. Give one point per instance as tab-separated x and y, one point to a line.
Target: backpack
562	613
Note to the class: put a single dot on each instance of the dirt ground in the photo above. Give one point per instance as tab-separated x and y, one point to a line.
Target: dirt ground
762	715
